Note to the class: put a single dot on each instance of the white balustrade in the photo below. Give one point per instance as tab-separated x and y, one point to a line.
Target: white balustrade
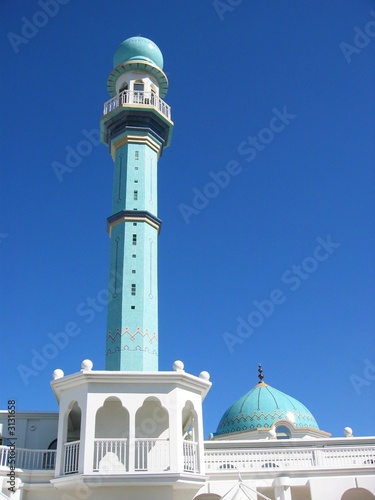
190	456
71	455
130	97
290	459
110	455
345	457
29	459
4	453
35	459
151	454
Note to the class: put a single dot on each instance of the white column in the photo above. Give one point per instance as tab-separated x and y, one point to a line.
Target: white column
61	438
200	437
283	493
88	418
131	440
282	488
176	452
82	462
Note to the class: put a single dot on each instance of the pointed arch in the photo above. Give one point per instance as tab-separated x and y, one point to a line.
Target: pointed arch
73	417
111	437
152	436
71	438
189	422
152	420
112	420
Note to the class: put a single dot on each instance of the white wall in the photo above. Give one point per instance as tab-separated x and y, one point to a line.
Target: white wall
38	439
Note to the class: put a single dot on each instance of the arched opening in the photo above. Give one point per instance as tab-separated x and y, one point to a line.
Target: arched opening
269	465
138	94
123	95
72	438
227	466
111	437
53	445
283	432
49	457
138	86
152	436
153	95
357	494
124	86
74	423
191	438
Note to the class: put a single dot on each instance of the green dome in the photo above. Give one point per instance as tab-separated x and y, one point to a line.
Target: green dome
138	48
262	407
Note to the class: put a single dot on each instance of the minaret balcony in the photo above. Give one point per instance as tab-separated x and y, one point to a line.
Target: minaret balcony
141	99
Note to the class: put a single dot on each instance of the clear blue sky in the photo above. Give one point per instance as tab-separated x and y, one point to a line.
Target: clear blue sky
301	179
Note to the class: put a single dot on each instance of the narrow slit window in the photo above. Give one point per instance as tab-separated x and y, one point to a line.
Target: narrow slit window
135	195
136	155
134	239
133	289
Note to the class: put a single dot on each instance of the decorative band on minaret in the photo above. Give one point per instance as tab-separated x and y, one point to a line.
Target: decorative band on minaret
136	126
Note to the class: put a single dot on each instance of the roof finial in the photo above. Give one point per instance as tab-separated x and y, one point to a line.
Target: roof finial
260	373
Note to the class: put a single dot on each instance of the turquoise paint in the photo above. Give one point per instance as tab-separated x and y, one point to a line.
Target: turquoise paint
262	407
132	334
132	324
135	175
141	55
132	328
138	48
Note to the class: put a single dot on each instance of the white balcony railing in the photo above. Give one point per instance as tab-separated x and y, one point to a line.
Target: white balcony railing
4	453
151	454
71	455
290	459
131	97
29	459
110	455
190	456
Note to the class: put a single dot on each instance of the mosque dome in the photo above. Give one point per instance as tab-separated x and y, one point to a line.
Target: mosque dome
140	49
262	408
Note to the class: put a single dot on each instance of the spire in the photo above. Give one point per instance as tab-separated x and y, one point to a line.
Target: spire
260	373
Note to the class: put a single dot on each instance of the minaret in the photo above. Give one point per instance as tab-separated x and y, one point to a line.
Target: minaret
136	126
131	431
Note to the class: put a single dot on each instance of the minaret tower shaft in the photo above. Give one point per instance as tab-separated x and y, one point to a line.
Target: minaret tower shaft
136	126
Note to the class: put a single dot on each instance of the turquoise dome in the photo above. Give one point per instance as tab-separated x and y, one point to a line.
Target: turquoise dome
138	48
262	407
